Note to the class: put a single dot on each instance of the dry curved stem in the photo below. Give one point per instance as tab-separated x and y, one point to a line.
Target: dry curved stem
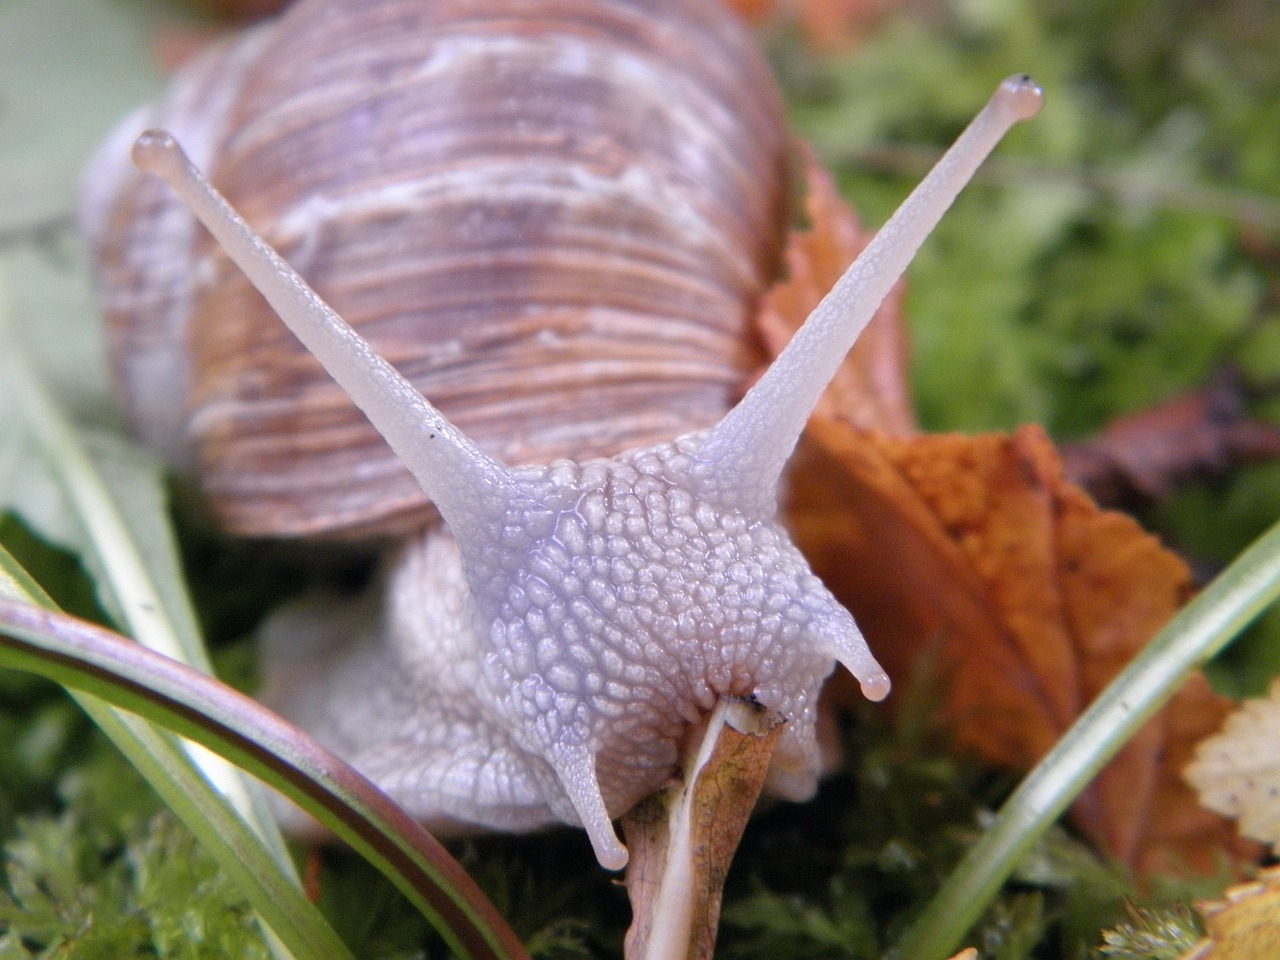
683	839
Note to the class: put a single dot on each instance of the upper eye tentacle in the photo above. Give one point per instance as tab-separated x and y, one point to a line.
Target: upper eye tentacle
742	457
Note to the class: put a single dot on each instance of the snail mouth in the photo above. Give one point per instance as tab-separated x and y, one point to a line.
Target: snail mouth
745	715
696	730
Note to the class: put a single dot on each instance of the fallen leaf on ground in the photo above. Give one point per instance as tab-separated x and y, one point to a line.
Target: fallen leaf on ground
1237	771
976	555
1244	924
973	553
1145	455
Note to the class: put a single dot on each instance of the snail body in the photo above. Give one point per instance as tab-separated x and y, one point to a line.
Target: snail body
543	654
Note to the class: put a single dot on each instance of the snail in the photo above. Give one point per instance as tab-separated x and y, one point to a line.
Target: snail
545	649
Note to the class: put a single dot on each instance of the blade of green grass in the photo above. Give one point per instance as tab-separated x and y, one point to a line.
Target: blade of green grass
90	658
291	920
143	605
133	485
147	595
133	594
233	821
18	585
1199	632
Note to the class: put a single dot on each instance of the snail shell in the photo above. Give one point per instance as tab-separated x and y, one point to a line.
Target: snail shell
553	216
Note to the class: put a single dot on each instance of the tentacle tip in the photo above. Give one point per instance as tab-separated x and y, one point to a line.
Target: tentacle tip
611	854
157	151
1021	96
575	767
876	686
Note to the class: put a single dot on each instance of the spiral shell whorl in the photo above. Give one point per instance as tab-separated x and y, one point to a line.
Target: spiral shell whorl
553	217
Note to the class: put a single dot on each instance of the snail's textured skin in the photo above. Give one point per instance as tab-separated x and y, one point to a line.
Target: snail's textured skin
608	611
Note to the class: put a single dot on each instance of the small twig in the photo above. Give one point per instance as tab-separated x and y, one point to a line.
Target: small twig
683	838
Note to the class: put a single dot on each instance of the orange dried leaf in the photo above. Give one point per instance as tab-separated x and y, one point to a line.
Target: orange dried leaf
832	25
975	553
1237	771
754	11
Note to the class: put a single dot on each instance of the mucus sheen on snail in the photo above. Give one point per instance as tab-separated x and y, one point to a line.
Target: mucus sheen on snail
548	645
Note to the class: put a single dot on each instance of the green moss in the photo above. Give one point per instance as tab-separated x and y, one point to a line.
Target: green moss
80	886
1102	268
1166	933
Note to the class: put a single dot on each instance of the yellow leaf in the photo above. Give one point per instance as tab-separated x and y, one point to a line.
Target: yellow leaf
1244	924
